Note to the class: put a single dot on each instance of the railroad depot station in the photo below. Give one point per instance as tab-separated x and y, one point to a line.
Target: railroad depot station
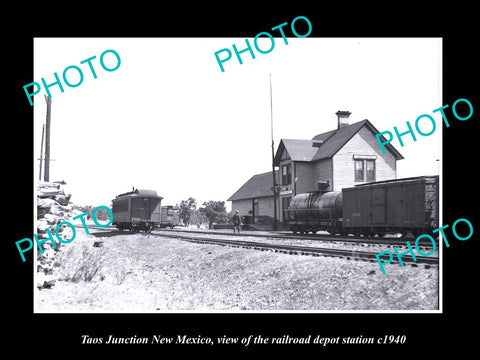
344	157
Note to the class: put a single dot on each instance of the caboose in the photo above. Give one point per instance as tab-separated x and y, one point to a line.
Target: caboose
137	210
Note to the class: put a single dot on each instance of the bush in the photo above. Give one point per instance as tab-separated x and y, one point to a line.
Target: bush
80	261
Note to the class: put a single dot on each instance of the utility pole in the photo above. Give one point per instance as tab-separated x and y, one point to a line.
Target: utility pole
46	176
41	153
273	162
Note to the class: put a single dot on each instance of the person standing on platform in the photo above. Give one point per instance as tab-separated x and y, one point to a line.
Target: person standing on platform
237	222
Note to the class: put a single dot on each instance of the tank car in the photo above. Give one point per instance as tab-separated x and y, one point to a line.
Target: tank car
311	212
137	210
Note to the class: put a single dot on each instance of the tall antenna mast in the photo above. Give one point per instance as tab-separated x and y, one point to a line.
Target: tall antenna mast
273	162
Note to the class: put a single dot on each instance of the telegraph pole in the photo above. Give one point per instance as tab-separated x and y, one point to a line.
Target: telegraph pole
273	162
46	176
41	153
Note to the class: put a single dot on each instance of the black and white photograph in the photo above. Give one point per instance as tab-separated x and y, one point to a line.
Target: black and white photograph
294	181
181	155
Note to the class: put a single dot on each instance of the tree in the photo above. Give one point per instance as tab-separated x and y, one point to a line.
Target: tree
187	207
198	218
215	212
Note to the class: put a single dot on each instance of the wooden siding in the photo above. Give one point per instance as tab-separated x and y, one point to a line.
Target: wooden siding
265	206
323	171
309	174
305	178
245	206
362	143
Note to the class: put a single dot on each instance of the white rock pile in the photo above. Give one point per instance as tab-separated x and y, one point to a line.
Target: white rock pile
53	207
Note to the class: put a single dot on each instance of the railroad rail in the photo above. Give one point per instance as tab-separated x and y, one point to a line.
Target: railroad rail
279	248
295	249
388	242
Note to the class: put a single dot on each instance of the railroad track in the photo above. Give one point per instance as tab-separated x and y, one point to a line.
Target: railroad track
280	248
388	242
295	249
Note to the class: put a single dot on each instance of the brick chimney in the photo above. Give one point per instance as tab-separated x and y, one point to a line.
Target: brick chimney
343	118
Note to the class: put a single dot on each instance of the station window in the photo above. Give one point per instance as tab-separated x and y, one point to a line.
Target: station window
287	174
364	170
285	204
370	175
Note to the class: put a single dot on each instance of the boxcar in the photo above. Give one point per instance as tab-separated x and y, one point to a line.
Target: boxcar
169	217
137	210
409	205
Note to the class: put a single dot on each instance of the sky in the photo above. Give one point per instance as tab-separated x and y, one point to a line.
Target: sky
169	119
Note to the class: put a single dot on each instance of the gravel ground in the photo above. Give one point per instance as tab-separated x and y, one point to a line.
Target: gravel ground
146	273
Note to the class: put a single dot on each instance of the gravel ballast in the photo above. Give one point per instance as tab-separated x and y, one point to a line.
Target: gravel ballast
147	273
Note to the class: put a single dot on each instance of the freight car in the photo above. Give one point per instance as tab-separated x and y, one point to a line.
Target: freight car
409	205
137	210
169	217
312	212
403	206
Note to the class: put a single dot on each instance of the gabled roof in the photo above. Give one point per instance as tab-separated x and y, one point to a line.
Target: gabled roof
337	139
258	186
299	150
325	145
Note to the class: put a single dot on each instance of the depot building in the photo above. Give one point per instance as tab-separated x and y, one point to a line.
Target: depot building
343	157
